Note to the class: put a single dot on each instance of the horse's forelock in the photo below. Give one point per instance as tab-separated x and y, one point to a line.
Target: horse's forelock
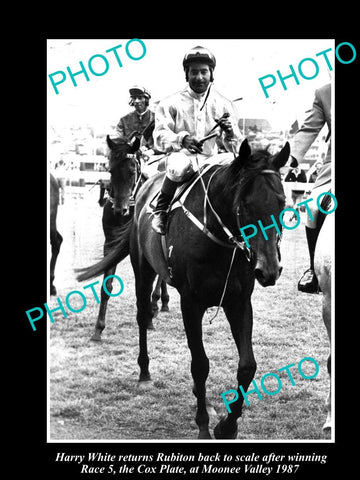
258	160
120	149
238	180
236	175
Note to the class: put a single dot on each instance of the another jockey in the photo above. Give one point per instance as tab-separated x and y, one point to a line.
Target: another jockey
183	120
136	121
317	117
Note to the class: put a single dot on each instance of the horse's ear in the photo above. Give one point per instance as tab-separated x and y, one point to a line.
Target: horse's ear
135	145
244	153
110	143
282	157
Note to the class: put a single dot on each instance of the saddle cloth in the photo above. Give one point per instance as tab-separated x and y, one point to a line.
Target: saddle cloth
181	192
180	195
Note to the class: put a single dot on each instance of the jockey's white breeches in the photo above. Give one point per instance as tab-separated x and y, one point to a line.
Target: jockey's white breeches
181	165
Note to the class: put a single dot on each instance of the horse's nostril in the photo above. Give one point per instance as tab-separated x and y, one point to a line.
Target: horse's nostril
264	280
259	275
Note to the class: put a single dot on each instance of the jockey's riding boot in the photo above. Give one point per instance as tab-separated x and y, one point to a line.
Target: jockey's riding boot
161	210
308	283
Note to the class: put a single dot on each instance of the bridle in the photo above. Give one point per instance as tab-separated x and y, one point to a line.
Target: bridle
240	217
233	241
137	181
138	175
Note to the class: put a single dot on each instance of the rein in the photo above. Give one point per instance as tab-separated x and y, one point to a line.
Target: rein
232	239
239	218
137	181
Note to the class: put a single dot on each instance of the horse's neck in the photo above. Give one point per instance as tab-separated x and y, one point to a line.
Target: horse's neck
221	201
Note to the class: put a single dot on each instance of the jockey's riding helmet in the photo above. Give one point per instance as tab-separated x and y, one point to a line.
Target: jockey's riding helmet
199	54
136	90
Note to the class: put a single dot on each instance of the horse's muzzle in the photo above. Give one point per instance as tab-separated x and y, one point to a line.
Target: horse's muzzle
267	278
123	211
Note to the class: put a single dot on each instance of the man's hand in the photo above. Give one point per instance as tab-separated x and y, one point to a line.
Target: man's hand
192	144
225	124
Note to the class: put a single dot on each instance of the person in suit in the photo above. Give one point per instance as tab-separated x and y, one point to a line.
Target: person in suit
315	172
299	176
316	118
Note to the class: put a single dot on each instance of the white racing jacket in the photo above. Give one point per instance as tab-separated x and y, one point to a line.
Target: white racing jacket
185	113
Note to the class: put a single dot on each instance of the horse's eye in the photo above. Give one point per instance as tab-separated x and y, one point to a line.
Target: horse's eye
246	206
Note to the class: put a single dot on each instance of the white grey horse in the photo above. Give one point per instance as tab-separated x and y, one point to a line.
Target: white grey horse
323	269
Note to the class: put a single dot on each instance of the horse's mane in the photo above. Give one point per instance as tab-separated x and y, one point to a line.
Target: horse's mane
258	161
237	180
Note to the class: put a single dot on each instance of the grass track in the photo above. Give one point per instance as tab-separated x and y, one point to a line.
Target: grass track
94	392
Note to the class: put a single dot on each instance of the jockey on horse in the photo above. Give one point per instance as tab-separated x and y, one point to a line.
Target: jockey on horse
138	120
183	120
134	124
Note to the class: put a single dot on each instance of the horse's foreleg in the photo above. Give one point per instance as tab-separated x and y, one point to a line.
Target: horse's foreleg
164	297
56	241
192	316
155	296
240	318
104	298
144	278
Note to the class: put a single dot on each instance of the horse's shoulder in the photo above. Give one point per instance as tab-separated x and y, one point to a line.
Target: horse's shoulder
148	190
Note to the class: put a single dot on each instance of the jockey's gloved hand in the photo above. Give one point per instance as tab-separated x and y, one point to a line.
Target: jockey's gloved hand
192	144
225	125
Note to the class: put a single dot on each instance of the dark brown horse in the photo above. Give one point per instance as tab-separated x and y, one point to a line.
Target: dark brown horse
209	263
118	210
55	237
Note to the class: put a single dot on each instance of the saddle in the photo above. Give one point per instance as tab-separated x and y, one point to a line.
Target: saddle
179	198
181	192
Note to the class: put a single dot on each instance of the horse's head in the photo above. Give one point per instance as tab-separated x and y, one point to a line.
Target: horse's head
123	169
259	200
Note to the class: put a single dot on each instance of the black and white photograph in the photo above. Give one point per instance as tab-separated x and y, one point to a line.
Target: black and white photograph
191	211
